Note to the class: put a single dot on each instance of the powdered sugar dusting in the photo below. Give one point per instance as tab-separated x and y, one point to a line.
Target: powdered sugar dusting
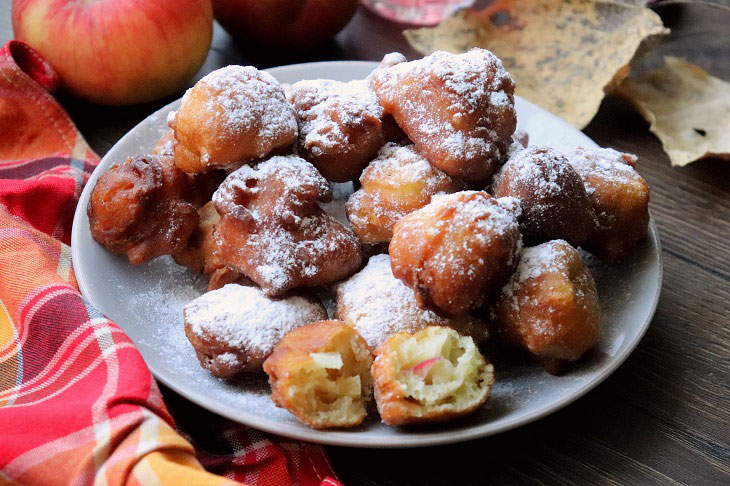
494	216
609	165
378	305
244	318
476	81
411	167
488	221
391	59
294	173
245	99
394	168
550	257
324	106
291	237
535	261
542	168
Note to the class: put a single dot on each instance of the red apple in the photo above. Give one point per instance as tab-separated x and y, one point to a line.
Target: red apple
118	52
284	24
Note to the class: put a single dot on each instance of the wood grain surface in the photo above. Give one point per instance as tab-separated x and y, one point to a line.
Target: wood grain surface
661	418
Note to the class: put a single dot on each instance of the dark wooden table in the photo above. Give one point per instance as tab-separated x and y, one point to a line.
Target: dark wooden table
664	416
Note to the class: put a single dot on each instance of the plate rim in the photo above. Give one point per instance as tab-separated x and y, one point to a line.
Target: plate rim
348	438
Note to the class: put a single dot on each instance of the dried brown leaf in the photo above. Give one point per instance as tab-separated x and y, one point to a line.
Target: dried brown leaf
688	110
564	55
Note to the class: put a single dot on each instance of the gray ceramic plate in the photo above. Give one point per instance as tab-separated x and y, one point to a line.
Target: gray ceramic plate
146	301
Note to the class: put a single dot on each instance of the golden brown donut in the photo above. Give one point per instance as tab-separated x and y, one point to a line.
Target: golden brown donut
321	373
340	126
379	305
398	182
141	208
458	109
234	114
456	250
235	328
273	231
552	196
433	375
620	198
550	307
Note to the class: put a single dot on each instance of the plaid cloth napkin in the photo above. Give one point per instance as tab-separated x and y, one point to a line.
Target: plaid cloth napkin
77	402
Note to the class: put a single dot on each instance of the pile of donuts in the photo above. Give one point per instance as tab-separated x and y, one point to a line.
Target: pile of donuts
458	230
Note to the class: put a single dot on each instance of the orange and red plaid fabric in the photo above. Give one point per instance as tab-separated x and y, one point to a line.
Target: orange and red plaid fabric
78	405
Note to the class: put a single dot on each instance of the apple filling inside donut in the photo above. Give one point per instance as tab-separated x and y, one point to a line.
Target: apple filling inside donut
439	367
335	383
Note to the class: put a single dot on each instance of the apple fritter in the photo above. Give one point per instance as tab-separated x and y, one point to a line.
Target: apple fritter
235	328
458	109
457	250
554	201
142	208
398	182
273	231
433	375
340	126
235	114
321	373
550	307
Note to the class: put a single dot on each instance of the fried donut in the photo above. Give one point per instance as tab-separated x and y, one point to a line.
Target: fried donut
458	109
398	182
235	328
273	231
553	199
233	115
321	373
456	250
433	375
141	208
620	198
379	305
340	126
201	253
549	307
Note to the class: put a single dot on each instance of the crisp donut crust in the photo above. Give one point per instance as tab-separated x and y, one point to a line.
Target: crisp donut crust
201	254
141	208
396	183
340	126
